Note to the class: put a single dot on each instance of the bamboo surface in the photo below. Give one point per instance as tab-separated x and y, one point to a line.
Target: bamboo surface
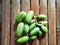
46	7
15	11
52	22
5	22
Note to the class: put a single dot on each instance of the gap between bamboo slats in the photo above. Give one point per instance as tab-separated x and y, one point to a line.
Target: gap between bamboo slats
58	22
43	10
15	11
5	22
52	22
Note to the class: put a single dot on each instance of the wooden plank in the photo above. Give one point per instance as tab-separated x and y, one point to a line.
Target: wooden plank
58	23
26	8
58	28
58	12
5	22
15	10
35	8
25	5
43	7
43	10
52	22
58	37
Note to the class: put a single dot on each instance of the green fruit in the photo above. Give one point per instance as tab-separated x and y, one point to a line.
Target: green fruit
22	40
18	17
39	24
43	23
41	16
21	16
40	33
26	28
19	30
34	31
33	38
33	21
44	29
29	16
32	26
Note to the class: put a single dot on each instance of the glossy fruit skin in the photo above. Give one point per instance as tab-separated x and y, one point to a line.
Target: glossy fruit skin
33	38
40	33
44	29
33	21
43	23
26	28
22	40
19	30
32	26
20	16
41	16
39	25
34	31
29	16
23	17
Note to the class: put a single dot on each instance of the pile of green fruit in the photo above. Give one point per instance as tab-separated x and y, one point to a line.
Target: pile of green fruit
28	28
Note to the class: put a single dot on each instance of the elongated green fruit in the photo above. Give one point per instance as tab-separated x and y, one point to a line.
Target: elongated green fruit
40	33
39	24
20	16
41	16
22	40
32	26
43	23
33	38
34	31
19	30
29	16
26	28
33	21
44	28
23	16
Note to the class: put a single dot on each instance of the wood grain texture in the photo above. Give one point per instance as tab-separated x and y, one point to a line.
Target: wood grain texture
15	11
5	22
58	27
58	37
26	8
58	14
25	5
52	22
43	7
43	10
35	8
